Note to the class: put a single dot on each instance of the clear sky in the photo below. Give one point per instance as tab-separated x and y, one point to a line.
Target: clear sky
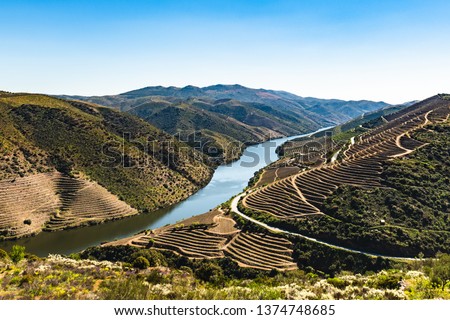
381	50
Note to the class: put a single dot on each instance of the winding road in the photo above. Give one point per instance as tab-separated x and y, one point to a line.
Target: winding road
235	209
236	199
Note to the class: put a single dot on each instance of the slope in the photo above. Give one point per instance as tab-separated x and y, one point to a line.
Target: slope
388	194
105	156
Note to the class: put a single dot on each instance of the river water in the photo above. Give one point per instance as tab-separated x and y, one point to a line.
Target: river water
227	181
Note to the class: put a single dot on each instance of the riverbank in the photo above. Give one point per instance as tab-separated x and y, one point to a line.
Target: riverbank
228	180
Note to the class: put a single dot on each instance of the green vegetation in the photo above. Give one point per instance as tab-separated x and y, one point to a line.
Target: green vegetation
141	263
412	215
402	212
17	253
40	133
439	270
59	277
3	254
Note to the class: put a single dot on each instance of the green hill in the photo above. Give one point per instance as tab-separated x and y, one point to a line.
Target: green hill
69	157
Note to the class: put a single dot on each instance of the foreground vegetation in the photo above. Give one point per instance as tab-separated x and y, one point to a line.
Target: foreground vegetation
142	274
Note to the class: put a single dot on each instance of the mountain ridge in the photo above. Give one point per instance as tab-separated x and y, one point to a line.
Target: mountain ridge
258	114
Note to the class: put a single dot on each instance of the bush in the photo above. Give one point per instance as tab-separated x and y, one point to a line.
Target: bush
151	243
17	253
440	270
32	257
110	253
141	263
3	255
155	277
388	281
124	289
338	283
210	272
154	258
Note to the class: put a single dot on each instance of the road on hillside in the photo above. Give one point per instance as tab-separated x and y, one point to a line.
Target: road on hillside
234	208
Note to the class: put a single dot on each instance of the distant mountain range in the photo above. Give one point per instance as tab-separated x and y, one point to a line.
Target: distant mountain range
224	114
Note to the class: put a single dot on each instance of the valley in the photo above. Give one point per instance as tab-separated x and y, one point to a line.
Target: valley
295	216
331	203
227	180
360	207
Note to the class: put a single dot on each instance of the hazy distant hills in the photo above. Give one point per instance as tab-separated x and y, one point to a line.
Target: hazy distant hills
223	114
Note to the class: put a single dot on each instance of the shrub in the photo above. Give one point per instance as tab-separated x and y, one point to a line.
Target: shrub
17	253
387	281
110	253
440	270
151	243
3	255
154	258
155	277
338	283
141	263
32	257
210	272
124	289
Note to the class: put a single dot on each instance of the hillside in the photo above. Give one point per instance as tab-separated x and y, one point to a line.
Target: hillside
385	198
219	136
387	193
341	133
364	210
66	164
232	113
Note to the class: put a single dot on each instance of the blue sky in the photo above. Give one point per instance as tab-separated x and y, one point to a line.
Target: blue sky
381	50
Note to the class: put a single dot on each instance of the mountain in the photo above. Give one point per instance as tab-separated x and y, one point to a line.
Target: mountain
65	164
232	113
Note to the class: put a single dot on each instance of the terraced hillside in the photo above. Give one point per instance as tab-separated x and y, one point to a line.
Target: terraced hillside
53	201
27	204
261	251
65	164
214	235
313	202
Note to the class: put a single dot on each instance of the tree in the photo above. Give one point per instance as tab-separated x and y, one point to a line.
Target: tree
141	263
210	272
17	253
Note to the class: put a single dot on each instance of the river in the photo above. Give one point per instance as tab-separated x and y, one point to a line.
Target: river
228	180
